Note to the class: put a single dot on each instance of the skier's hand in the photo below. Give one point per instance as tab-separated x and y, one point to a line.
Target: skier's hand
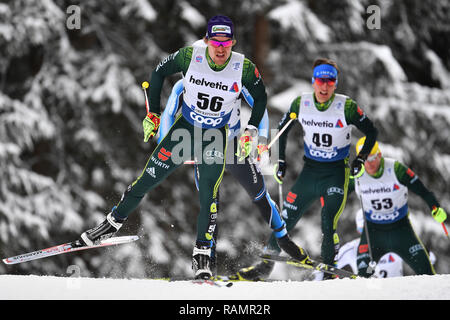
357	168
439	214
245	143
263	157
150	125
280	171
263	154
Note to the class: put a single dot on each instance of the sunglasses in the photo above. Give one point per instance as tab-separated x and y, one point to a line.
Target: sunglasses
328	81
225	44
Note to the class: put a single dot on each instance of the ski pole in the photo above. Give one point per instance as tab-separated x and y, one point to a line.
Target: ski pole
292	116
445	230
145	86
372	263
280	195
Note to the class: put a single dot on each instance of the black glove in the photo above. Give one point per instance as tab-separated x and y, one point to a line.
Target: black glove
280	170
357	166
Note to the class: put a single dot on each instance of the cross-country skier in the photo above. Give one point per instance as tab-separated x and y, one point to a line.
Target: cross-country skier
213	78
389	265
326	118
383	190
247	172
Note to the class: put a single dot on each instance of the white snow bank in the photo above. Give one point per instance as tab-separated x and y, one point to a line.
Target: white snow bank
61	288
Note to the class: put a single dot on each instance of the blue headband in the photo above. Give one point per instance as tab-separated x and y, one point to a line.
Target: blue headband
325	71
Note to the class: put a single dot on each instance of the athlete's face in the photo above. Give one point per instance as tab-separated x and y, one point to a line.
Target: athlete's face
372	164
219	49
323	89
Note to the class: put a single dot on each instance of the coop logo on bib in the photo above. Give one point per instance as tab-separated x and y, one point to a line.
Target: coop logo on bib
322	154
384	216
210	122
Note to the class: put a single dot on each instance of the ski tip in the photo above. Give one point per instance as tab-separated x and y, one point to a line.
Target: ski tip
212	282
120	240
11	260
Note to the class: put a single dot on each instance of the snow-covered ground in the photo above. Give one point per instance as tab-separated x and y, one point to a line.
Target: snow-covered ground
61	288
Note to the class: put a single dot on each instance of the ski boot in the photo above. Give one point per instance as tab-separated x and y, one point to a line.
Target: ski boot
104	230
201	259
328	276
296	252
258	272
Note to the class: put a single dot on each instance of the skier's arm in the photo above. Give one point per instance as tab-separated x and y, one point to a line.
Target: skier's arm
408	178
175	62
171	109
263	128
253	81
356	116
351	185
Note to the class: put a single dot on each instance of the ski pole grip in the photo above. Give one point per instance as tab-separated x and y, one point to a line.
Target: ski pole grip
145	86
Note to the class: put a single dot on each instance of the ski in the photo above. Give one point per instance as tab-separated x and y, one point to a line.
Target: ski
311	265
217	278
234	277
67	247
237	277
214	281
